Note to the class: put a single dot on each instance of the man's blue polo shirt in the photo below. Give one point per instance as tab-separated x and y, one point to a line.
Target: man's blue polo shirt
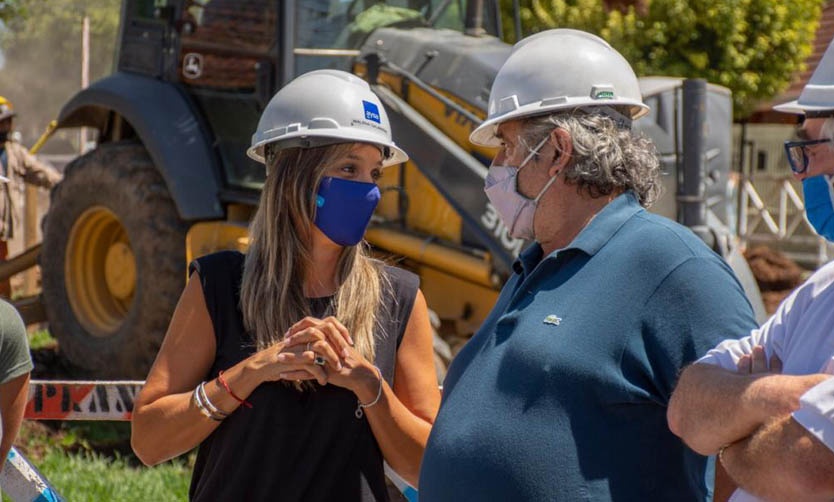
562	393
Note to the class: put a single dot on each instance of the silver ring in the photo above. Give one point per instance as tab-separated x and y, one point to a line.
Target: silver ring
308	347
319	361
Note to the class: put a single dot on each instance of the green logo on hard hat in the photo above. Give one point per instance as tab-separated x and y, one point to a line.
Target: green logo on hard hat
604	95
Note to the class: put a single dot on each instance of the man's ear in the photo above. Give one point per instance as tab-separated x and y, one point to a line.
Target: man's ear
562	150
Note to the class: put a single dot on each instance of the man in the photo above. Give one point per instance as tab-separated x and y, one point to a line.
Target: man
15	365
774	433
17	164
562	393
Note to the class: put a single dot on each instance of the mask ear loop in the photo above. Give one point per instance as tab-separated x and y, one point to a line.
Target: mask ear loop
546	186
530	155
533	152
559	152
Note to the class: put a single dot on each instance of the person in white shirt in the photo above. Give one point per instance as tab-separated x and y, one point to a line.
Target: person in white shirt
765	404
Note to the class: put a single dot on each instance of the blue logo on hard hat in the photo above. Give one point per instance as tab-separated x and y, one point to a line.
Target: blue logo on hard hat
371	111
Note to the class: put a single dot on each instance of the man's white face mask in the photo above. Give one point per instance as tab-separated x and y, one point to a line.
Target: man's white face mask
515	210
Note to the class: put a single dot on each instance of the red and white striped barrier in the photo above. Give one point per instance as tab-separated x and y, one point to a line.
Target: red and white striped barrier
81	400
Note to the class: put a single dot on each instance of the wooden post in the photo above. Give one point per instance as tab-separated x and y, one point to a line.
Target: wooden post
85	76
30	236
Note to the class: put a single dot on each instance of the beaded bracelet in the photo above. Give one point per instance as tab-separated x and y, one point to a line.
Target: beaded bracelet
198	402
359	413
225	385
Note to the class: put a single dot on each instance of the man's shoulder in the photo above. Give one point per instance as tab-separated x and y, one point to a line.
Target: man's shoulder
823	276
815	293
659	236
11	323
15	359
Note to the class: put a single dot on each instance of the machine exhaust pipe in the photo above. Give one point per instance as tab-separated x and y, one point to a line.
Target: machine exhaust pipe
691	201
475	18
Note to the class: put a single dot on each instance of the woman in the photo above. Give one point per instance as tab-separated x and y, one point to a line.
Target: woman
300	366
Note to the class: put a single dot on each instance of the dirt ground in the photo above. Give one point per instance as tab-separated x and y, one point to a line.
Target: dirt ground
775	273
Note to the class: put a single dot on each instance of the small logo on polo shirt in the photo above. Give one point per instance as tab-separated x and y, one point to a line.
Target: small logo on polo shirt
552	319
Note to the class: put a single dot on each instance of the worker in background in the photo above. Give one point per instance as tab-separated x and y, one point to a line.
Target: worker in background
765	403
19	166
15	365
562	393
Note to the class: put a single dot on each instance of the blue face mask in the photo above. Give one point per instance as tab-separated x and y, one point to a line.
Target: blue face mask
344	209
819	206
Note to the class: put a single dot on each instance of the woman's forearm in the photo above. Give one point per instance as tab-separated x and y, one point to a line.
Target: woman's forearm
173	424
401	434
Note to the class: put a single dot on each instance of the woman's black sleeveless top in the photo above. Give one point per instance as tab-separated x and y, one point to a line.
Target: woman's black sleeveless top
292	445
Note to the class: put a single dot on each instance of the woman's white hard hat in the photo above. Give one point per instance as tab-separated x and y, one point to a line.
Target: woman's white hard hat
325	107
555	70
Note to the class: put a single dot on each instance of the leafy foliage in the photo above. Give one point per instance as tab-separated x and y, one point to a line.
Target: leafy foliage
11	9
42	52
754	47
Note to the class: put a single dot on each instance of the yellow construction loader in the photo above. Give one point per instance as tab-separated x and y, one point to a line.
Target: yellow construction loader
169	180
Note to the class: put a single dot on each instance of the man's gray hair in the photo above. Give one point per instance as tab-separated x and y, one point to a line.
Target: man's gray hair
606	158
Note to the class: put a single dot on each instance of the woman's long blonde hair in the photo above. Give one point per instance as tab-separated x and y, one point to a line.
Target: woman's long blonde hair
272	296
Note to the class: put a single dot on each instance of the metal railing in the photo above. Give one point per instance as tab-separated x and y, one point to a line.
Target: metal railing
772	212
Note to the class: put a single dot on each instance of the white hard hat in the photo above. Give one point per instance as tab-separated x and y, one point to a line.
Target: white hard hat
325	107
817	97
556	70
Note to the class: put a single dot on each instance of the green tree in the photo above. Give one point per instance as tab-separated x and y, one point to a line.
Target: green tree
11	9
753	47
42	51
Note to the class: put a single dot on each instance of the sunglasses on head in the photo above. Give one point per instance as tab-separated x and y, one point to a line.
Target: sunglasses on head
797	153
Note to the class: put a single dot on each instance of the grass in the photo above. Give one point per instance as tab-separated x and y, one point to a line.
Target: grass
87	476
92	461
41	339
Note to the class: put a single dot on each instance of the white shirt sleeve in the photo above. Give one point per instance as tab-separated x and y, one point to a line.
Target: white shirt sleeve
770	336
728	352
816	412
774	335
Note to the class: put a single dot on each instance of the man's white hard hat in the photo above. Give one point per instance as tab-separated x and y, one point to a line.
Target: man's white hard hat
817	97
325	107
560	69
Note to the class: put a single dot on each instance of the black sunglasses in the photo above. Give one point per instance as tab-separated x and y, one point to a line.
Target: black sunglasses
798	155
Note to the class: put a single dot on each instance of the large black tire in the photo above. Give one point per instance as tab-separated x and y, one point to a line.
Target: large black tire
114	337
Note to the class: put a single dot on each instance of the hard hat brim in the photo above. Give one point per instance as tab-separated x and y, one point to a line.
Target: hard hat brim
486	133
7	115
796	108
308	139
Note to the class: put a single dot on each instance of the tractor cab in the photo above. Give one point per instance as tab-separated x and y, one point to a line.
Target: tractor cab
231	56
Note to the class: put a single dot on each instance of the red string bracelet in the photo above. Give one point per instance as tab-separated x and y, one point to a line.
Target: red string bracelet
225	385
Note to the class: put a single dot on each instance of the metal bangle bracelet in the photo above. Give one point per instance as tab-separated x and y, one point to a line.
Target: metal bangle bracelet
359	409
